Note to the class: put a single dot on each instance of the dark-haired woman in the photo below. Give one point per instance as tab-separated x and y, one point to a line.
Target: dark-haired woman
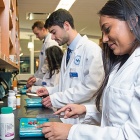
119	94
52	68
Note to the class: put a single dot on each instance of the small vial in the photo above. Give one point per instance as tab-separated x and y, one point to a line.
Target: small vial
15	89
18	101
12	99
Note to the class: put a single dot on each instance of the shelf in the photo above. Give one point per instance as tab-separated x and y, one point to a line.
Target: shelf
10	21
10	43
6	63
11	6
2	4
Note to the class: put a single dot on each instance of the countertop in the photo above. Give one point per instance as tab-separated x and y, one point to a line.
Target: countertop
23	111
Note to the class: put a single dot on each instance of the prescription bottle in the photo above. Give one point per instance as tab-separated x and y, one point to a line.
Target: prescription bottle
18	98
7	125
12	99
14	83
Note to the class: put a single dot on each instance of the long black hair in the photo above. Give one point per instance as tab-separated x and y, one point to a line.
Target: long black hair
54	57
125	10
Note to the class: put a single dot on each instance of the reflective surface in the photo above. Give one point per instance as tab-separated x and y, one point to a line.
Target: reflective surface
30	113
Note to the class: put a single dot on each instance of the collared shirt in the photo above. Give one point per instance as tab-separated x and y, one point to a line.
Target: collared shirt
71	47
74	43
43	43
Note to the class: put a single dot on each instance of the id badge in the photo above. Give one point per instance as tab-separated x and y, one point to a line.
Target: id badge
73	73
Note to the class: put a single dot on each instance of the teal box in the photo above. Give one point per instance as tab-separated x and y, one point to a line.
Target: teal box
33	102
28	127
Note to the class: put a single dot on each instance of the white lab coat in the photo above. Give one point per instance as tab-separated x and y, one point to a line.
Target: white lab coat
121	107
48	42
53	81
90	72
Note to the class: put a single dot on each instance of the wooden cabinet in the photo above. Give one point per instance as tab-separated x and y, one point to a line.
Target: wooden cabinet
9	35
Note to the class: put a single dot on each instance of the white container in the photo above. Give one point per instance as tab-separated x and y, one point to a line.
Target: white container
7	125
12	99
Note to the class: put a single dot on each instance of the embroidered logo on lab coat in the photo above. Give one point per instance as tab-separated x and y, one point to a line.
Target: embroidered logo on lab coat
77	60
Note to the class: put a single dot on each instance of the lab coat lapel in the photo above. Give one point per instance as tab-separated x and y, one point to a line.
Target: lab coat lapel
72	57
129	62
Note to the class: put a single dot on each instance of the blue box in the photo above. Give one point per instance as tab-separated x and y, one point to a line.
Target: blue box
33	102
28	127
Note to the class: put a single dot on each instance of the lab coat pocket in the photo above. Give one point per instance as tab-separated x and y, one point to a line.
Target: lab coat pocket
120	100
75	75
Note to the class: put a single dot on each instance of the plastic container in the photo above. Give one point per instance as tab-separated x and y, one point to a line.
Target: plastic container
18	98
14	83
33	102
27	127
7	125
15	89
12	99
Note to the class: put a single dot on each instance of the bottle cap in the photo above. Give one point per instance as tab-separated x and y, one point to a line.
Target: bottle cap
18	95
6	110
11	93
15	88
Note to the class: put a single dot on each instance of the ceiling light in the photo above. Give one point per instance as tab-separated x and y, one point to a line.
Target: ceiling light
65	4
37	16
21	54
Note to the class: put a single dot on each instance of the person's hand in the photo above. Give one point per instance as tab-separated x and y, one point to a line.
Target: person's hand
47	102
71	110
30	81
54	131
28	90
42	91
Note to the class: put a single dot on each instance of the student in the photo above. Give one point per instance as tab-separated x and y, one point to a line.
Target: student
82	75
53	57
120	91
42	34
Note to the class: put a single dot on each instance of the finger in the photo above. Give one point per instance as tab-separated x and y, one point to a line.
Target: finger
30	79
46	130
63	109
39	126
70	114
47	104
48	124
49	136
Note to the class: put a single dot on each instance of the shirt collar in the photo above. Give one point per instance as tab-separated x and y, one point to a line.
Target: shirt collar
45	38
75	42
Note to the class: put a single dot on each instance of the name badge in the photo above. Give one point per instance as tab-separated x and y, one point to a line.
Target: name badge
73	74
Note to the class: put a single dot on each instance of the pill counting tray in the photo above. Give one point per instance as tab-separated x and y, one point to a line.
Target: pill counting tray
28	127
33	102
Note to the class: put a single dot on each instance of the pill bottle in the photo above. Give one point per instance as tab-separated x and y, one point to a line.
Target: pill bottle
7	125
15	89
12	99
18	102
14	83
